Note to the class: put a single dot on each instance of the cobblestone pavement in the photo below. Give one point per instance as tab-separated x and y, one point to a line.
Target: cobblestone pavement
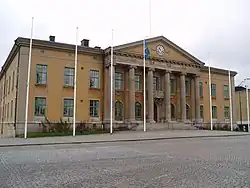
207	162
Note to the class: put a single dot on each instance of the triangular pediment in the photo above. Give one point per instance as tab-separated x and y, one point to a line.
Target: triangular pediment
160	47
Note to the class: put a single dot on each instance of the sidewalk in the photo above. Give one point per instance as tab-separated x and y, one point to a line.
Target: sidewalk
125	136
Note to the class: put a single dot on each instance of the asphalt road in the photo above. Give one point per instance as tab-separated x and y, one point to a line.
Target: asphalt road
213	162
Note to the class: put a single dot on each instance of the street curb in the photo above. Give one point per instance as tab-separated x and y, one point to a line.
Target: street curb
123	140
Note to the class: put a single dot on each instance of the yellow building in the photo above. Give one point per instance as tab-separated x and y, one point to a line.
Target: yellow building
176	84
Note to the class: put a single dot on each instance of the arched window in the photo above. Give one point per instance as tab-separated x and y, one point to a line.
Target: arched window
138	110
118	111
187	112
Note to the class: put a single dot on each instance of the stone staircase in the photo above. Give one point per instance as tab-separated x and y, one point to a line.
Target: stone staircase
166	126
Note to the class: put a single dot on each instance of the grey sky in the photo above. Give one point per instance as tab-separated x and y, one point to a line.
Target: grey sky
219	27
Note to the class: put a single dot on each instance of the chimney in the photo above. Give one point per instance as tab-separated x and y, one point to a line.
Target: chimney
52	38
85	42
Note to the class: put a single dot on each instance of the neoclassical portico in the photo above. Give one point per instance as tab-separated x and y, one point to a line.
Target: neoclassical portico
152	94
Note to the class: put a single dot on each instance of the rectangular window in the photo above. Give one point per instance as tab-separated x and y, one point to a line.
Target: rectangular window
118	80
68	107
6	88
40	106
213	90
214	112
69	76
9	85
41	74
94	108
172	83
201	89
226	92
94	79
138	82
11	109
13	80
201	111
187	85
226	112
156	83
8	111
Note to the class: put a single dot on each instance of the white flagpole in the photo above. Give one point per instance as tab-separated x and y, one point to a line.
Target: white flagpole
210	97
28	83
111	83
247	108
144	87
150	19
230	99
75	78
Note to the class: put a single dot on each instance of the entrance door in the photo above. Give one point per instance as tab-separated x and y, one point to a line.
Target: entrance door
155	112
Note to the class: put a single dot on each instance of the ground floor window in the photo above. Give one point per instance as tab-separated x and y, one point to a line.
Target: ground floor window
40	106
214	112
226	112
118	111
187	111
138	110
68	107
201	112
94	108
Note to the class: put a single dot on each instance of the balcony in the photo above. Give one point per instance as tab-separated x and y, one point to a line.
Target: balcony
158	94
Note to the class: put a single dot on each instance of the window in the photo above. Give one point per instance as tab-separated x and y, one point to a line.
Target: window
94	108
214	112
201	89
213	90
226	112
138	110
69	76
6	88
9	85
11	109
226	92
41	74
187	112
201	112
118	111
172	83
138	82
118	80
7	111
68	107
156	83
40	106
13	80
94	79
188	88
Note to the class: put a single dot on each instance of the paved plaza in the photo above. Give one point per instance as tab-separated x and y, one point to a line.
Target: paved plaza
190	162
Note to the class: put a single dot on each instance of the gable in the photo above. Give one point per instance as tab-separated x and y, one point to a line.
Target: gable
170	50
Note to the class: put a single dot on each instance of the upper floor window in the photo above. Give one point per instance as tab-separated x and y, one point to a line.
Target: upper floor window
94	79
172	83
118	80
201	89
188	86
94	108
41	74
213	90
69	75
13	80
138	82
9	85
226	92
40	106
68	107
156	83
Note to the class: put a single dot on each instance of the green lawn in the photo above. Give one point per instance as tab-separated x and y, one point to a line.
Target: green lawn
53	134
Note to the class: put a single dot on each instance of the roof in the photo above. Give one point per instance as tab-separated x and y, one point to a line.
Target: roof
217	70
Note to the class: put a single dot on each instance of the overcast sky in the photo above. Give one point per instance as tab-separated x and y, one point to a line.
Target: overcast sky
218	27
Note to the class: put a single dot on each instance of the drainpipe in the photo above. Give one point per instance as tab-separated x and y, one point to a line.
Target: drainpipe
17	76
